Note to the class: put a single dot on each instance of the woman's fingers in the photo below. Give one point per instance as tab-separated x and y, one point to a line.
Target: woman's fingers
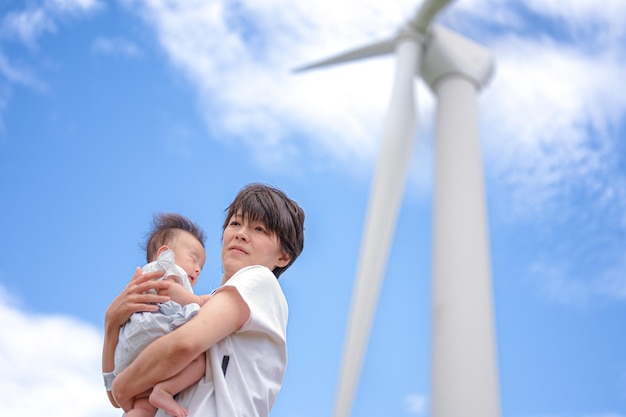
142	292
145	282
146	298
137	296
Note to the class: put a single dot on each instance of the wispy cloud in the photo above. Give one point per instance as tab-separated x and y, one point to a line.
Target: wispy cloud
545	98
35	19
241	57
551	117
559	282
50	365
26	26
115	46
4	98
587	21
12	74
15	74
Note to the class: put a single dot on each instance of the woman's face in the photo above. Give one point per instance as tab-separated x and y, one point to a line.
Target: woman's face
246	243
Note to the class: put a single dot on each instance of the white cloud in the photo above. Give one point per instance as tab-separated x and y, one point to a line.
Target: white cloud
18	74
557	281
73	6
241	59
585	16
550	117
50	365
115	46
4	98
36	19
545	97
27	25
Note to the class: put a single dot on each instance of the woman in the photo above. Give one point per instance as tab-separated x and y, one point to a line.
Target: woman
242	327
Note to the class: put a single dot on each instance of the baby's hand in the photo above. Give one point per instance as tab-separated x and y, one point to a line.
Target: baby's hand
182	296
175	291
204	298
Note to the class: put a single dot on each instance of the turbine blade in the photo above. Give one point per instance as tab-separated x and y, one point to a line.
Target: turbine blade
375	49
385	198
426	14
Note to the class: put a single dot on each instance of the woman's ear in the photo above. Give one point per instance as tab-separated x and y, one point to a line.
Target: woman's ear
283	260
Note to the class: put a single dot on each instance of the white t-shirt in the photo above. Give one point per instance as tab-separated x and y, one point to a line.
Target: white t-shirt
245	370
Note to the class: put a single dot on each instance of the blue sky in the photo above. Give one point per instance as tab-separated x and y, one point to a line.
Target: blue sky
112	111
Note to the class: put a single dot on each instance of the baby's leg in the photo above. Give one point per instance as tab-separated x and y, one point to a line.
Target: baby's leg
142	408
163	393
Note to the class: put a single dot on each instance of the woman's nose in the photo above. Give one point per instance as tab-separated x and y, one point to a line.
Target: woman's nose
242	234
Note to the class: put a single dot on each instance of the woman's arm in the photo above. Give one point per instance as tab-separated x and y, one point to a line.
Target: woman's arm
131	300
224	313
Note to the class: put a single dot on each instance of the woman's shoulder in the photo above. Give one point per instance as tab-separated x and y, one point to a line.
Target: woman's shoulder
252	275
258	286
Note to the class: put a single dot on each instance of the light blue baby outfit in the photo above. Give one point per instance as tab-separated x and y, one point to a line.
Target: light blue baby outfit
144	327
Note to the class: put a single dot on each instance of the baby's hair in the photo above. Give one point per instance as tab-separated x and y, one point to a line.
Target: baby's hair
281	215
165	228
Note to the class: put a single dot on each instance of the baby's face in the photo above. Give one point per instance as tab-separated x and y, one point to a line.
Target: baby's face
189	254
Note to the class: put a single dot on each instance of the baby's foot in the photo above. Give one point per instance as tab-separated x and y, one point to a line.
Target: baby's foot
166	402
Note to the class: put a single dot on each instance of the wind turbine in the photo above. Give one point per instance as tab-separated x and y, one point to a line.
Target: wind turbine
464	376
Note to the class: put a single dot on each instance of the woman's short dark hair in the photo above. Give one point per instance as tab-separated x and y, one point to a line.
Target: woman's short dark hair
279	213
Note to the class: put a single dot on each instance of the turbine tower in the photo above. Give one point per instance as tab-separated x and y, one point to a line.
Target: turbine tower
464	376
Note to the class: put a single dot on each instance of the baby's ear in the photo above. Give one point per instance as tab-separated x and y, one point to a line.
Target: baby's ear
161	250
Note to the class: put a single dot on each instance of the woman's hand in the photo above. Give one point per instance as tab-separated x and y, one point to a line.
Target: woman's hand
135	298
132	299
125	403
